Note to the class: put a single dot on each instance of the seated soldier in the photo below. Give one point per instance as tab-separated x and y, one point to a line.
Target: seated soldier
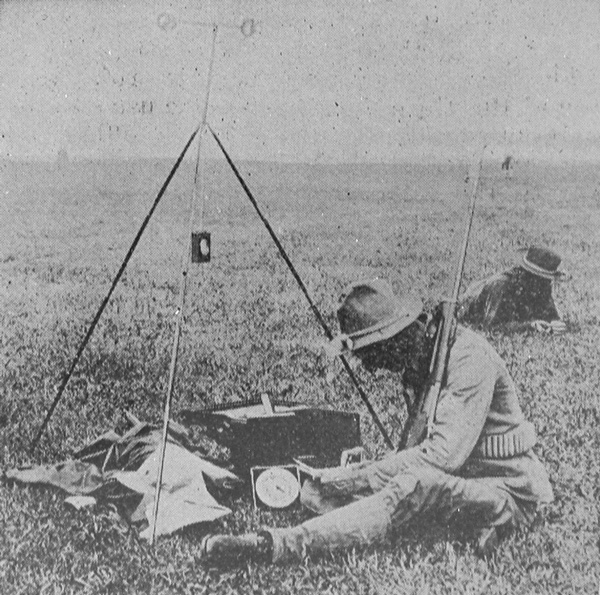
477	461
518	298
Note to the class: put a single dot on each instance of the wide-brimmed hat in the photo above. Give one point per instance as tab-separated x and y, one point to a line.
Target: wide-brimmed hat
542	262
370	312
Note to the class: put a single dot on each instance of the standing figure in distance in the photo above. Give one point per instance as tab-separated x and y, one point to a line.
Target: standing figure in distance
477	463
517	299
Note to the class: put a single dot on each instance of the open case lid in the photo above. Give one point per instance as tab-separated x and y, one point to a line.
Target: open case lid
241	411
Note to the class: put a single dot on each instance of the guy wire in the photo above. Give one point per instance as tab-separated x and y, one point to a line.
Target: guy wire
120	272
296	276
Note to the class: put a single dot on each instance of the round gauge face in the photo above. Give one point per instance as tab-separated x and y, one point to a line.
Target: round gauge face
277	487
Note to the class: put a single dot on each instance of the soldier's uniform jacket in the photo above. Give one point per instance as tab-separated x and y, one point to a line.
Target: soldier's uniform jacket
478	461
479	429
513	296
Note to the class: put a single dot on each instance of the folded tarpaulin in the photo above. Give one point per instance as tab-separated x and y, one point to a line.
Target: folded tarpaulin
74	477
129	451
184	498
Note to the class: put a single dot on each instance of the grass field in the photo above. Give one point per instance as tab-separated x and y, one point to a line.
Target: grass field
63	234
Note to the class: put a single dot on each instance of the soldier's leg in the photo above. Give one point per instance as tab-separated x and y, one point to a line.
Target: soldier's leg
483	505
369	519
364	521
484	501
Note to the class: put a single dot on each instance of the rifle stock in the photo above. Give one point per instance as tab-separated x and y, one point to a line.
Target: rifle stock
422	414
423	409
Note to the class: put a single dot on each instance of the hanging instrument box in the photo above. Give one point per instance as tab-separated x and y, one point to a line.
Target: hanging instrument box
261	433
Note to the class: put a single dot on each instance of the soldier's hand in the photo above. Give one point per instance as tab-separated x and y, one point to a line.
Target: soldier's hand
556	327
344	481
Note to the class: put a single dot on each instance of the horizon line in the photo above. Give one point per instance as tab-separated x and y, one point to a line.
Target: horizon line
401	161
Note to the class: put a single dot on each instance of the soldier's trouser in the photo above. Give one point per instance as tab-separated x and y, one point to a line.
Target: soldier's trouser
368	519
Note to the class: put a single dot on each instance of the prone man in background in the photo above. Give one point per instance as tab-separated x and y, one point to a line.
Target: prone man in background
517	299
477	462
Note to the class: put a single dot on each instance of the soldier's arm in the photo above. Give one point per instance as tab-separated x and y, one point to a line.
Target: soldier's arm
551	312
461	414
482	300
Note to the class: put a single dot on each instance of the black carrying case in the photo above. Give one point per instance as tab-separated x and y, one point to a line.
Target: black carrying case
318	436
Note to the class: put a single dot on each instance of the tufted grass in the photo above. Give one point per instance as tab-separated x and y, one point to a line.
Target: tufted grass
63	233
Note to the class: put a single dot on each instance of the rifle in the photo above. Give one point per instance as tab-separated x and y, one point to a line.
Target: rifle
422	413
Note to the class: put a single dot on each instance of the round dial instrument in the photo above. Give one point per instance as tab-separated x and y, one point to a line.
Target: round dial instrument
277	487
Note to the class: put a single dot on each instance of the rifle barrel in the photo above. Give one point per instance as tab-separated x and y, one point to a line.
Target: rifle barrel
463	253
425	408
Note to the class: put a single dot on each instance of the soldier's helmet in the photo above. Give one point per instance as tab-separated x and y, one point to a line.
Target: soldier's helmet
370	312
542	262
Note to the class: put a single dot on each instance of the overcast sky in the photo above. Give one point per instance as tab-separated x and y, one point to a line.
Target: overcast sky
318	81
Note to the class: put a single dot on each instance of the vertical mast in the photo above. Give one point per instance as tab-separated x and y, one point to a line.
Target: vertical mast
183	288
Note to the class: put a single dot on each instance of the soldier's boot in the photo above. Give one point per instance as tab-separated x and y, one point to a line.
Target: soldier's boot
226	551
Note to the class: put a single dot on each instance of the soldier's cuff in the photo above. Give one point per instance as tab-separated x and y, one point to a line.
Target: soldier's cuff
344	481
